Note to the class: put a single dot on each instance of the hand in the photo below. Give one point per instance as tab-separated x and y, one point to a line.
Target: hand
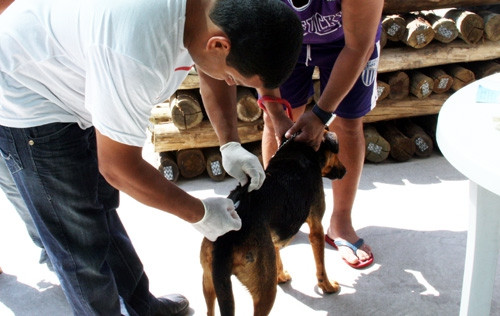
220	217
310	129
281	125
240	163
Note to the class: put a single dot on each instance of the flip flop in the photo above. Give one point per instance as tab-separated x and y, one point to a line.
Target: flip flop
354	247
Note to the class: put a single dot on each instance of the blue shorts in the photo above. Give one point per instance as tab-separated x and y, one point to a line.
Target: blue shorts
299	86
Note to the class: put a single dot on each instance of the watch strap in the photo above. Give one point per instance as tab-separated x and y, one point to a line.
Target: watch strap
325	117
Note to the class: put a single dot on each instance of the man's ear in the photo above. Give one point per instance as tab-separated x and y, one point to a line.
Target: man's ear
219	44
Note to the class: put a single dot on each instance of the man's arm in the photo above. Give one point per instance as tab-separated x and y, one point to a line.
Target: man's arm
219	100
360	19
4	4
125	169
275	113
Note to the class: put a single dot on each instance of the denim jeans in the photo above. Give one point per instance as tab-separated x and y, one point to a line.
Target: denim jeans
74	210
9	187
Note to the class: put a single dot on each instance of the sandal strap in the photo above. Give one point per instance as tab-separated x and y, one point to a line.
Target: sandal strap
354	246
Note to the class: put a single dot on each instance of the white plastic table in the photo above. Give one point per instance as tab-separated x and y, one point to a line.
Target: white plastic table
468	134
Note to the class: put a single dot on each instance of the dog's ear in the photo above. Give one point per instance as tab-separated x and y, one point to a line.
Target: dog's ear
331	141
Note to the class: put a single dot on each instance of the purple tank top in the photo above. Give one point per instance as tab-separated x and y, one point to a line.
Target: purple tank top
321	19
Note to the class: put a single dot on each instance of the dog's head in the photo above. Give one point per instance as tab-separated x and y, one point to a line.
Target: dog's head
331	167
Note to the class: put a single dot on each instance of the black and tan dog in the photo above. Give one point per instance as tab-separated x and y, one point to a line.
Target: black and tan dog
291	195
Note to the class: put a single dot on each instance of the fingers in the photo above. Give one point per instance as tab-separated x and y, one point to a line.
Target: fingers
309	130
257	177
236	223
240	163
220	217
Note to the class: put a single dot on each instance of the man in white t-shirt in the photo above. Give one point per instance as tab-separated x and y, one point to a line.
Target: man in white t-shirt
78	80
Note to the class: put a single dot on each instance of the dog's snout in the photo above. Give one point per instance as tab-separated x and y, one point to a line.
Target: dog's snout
333	169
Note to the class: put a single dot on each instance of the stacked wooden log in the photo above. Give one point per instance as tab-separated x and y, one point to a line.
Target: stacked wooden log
185	138
418	29
400	139
421	83
194	162
433	49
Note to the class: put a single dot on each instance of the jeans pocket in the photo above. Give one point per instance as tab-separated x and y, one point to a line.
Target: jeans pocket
57	140
9	151
13	165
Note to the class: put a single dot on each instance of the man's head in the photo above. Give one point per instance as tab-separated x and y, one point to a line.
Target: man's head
265	37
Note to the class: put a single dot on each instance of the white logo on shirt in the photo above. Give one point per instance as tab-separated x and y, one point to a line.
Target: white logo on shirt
322	25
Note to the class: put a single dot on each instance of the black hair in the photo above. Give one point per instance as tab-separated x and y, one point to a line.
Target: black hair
265	36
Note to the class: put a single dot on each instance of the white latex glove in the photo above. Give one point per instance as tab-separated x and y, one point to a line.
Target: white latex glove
238	163
220	217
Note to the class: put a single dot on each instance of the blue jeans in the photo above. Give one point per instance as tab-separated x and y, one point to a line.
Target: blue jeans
74	210
9	187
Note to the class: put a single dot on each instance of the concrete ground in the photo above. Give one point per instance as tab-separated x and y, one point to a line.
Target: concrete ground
414	215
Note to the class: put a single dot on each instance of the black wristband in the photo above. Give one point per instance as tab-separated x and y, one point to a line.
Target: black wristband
325	117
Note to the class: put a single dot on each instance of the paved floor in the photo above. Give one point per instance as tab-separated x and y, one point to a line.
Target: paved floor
414	215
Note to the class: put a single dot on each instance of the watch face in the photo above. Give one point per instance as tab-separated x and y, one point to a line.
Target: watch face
330	121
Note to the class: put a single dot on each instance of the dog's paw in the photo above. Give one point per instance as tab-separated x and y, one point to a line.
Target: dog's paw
283	277
329	286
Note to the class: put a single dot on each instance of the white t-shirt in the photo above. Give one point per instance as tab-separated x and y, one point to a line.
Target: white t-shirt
94	62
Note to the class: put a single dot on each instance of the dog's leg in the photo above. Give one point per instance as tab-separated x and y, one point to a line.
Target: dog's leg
317	239
208	283
258	275
283	275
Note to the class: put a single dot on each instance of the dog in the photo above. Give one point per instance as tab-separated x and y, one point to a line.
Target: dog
271	216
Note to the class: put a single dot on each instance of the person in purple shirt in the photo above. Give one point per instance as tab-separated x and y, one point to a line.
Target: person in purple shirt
341	38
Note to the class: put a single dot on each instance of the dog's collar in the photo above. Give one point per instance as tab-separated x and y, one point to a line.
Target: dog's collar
287	140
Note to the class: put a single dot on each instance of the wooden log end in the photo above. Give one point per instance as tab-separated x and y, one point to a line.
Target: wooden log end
421	85
377	149
428	123
383	90
491	25
394	27
247	109
423	142
446	32
186	110
214	166
469	24
423	145
191	162
402	147
442	81
418	32
168	167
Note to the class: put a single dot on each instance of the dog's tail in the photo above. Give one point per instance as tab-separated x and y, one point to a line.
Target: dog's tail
222	265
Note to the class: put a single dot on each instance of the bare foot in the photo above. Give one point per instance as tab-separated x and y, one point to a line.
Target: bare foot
361	255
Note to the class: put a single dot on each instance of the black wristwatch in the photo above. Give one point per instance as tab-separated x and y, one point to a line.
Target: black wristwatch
325	117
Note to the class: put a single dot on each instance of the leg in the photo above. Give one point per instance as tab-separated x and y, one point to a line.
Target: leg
483	245
208	282
73	208
317	240
283	276
12	193
259	277
351	153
